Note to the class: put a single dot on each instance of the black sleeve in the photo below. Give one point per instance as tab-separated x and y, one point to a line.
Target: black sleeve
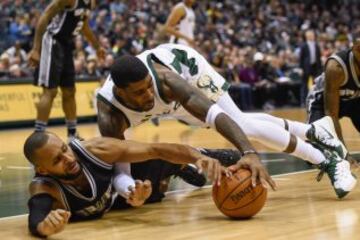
39	207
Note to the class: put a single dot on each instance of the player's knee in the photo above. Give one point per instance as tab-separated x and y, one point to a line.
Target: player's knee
51	93
68	93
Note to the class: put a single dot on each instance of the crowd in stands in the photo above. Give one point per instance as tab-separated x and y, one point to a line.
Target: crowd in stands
253	43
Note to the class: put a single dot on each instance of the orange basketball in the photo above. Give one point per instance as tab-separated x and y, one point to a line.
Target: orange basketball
237	198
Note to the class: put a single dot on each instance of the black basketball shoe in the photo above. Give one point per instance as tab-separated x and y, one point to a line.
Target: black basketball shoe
191	176
226	157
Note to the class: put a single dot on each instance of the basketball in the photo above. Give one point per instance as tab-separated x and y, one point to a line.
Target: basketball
237	198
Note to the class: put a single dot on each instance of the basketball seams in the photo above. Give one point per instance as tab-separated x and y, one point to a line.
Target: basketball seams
259	195
226	197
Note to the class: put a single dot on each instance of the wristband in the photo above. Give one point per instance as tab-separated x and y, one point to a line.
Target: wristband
247	152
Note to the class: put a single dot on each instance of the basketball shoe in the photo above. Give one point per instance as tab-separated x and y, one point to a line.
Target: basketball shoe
226	157
190	175
323	132
338	171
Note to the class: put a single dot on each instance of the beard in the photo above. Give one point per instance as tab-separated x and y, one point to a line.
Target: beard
68	176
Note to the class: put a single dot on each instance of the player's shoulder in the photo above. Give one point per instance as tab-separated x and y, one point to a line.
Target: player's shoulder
335	74
43	185
334	66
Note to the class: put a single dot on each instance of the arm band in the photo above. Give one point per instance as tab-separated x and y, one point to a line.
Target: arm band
212	114
39	207
123	179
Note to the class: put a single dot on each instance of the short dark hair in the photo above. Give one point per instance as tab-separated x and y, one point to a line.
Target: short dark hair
35	141
127	69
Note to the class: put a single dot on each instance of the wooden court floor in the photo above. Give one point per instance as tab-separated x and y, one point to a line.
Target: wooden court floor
301	208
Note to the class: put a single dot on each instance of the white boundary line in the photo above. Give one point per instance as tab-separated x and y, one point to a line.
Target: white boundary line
19	167
12	217
184	190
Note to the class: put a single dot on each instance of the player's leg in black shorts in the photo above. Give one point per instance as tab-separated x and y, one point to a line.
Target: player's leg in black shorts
48	74
67	79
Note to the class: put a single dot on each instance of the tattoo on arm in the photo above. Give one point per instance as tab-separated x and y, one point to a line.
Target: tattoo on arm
111	123
191	98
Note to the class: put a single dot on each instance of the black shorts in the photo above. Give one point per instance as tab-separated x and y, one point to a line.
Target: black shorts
153	170
56	66
349	108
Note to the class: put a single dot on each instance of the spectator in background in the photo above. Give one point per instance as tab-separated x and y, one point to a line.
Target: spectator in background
228	28
16	72
265	87
109	60
17	55
4	66
310	62
91	67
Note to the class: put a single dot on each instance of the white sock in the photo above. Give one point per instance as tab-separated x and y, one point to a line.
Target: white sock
299	129
268	133
307	152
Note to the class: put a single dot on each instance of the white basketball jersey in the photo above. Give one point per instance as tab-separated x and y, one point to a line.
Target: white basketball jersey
186	62
186	26
135	117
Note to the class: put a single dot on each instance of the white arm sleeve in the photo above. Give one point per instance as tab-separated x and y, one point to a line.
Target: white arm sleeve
212	114
123	179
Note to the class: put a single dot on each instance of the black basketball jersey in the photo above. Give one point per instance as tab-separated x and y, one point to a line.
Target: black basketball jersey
69	22
350	89
99	175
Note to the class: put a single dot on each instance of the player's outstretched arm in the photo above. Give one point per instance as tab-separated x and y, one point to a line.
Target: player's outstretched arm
54	222
112	150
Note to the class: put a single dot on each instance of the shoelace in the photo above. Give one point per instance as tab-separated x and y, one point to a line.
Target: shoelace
320	174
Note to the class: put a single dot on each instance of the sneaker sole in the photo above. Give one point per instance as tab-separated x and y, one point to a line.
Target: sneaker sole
341	193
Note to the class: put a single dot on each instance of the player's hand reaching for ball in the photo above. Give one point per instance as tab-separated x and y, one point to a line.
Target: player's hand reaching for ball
139	193
212	167
258	171
54	222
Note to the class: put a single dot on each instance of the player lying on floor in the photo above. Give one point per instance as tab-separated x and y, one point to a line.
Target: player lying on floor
75	181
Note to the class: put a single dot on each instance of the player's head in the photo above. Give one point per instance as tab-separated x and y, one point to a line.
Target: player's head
51	156
133	83
356	47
